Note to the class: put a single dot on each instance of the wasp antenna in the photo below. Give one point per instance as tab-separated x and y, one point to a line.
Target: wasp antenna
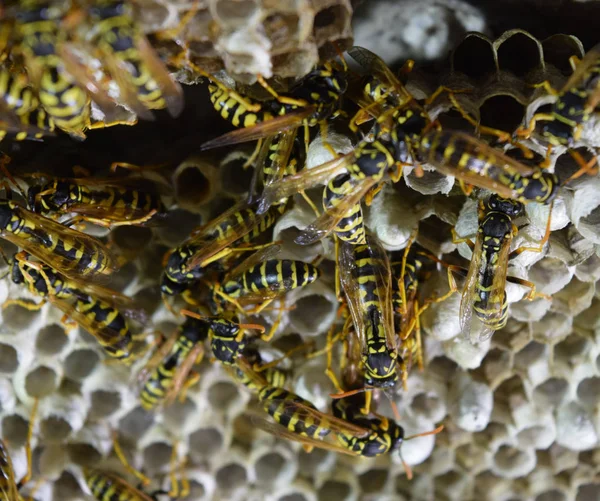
407	468
188	313
425	433
253	327
348	393
395	410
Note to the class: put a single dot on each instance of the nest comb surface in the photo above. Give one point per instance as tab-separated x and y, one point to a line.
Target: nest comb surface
521	411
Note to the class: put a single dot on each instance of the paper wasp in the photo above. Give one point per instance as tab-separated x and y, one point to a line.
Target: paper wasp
166	373
61	80
69	251
575	104
143	80
98	310
484	306
102	201
405	135
366	280
311	100
212	242
9	487
298	420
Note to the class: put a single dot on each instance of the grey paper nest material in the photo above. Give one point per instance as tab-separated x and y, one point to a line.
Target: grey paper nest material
521	410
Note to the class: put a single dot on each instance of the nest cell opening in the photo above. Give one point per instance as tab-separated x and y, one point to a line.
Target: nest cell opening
269	467
17	319
502	112
551	495
311	312
136	423
157	456
530	354
311	462
519	54
588	492
51	339
330	18
66	487
206	442
55	429
41	382
281	27
474	57
230	11
551	392
572	348
9	361
373	481
104	403
84	454
14	430
197	491
222	394
558	50
514	462
234	177
428	406
332	489
131	238
231	477
587	391
192	186
79	364
296	496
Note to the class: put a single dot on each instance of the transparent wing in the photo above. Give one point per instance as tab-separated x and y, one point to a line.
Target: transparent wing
256	258
291	120
589	60
329	219
469	294
170	89
45	228
183	372
375	66
346	265
279	431
307	178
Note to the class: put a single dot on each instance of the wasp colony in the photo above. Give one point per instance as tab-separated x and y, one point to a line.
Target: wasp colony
246	259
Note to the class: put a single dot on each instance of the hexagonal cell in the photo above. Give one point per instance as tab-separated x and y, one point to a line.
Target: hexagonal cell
15	318
131	239
231	476
41	382
512	462
453	483
136	423
588	492
474	56
55	429
66	487
573	350
79	364
332	21
222	394
310	463
587	391
197	491
552	495
519	53
234	177
428	405
296	496
502	112
14	430
51	339
551	393
157	456
197	182
373	481
320	308
559	48
206	442
9	361
104	403
84	454
531	354
268	467
333	489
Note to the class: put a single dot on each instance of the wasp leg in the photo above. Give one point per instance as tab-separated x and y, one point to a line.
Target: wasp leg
586	167
282	99
121	455
532	294
30	427
540	247
28	305
526	132
103	125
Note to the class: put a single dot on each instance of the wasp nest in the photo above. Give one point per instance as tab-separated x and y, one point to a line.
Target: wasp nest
520	410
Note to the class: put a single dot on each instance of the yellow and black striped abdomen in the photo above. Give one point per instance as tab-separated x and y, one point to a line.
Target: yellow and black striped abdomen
233	111
365	273
265	221
109	487
282	406
273	275
107	325
351	227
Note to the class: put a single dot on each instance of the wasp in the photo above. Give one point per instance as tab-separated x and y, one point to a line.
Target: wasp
53	69
143	80
260	279
351	227
273	375
484	306
73	253
406	135
312	100
575	104
9	487
166	373
211	242
107	486
298	420
98	310
105	202
20	107
366	280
